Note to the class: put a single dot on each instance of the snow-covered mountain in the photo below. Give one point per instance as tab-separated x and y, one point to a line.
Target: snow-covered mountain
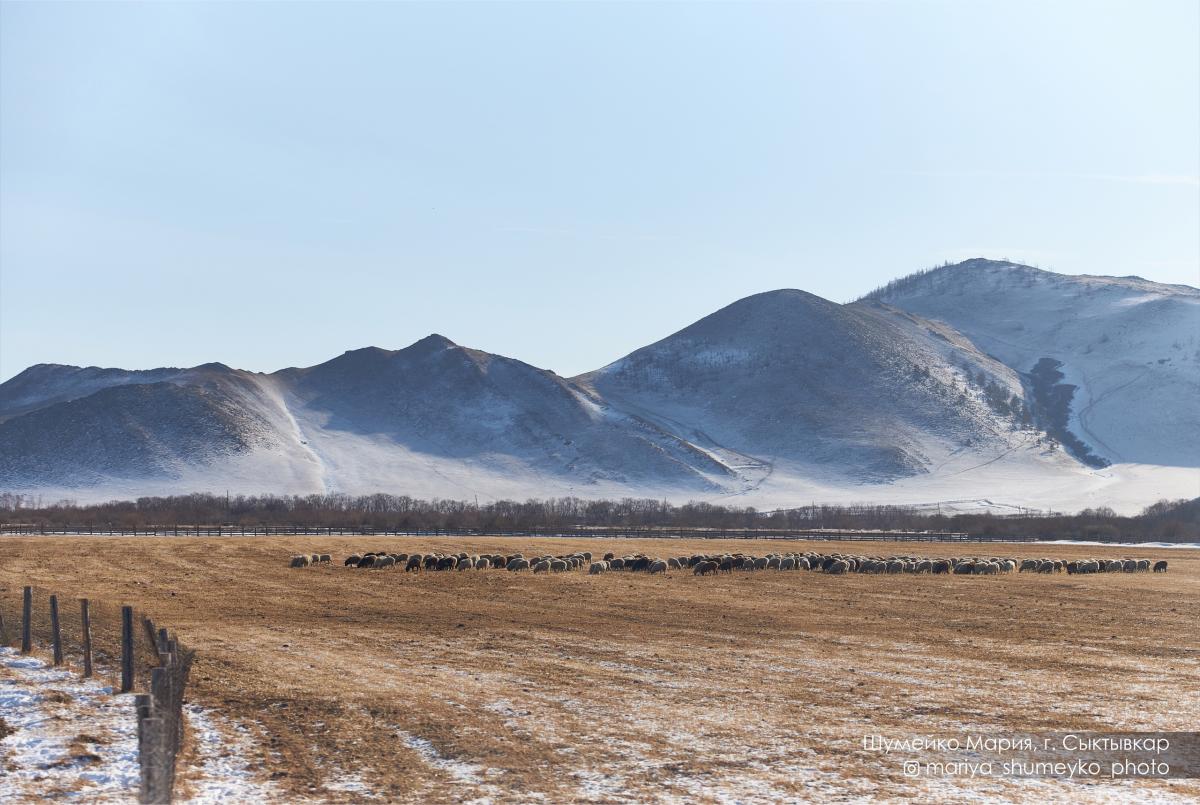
1129	348
857	393
955	386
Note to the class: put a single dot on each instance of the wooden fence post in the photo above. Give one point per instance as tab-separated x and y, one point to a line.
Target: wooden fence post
126	649
55	631
150	734
3	631
86	617
148	625
26	625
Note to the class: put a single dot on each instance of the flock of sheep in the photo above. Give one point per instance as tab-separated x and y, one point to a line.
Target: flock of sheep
309	559
710	564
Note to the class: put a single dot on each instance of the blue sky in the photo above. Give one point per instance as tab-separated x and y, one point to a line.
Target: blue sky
271	184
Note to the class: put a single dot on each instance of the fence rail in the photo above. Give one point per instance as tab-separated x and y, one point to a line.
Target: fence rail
101	639
598	532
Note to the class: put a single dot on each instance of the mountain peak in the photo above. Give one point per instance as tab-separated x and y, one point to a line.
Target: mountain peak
433	342
213	366
983	275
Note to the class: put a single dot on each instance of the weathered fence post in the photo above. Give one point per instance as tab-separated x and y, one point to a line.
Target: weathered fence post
153	787
86	618
55	631
148	625
26	625
126	649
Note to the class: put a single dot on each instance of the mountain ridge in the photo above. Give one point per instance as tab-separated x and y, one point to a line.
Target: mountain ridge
924	386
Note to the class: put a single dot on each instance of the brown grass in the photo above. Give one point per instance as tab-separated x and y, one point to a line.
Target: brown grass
624	687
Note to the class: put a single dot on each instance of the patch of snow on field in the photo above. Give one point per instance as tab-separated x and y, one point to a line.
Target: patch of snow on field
459	771
224	750
70	739
1192	545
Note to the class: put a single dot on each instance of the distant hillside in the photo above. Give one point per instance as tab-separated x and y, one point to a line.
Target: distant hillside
1127	350
979	386
860	392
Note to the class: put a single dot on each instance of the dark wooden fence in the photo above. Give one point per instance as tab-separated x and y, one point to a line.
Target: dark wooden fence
104	640
160	720
598	532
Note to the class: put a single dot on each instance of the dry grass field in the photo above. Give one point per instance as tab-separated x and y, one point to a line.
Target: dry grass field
491	685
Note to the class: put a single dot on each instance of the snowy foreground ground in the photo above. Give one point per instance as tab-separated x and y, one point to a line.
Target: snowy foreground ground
64	738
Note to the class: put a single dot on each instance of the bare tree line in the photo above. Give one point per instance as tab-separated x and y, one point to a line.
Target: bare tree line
1167	521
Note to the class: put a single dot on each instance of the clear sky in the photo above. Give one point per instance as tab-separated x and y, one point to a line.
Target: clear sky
270	184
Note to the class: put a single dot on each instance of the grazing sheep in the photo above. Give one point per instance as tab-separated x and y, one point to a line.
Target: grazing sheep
353	559
413	565
447	563
367	561
300	561
616	564
838	567
674	564
542	567
1160	566
384	561
1143	565
483	563
464	564
704	568
557	566
325	559
597	568
657	567
514	565
787	564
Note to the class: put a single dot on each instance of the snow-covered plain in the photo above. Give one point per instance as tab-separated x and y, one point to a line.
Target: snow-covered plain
66	738
71	739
